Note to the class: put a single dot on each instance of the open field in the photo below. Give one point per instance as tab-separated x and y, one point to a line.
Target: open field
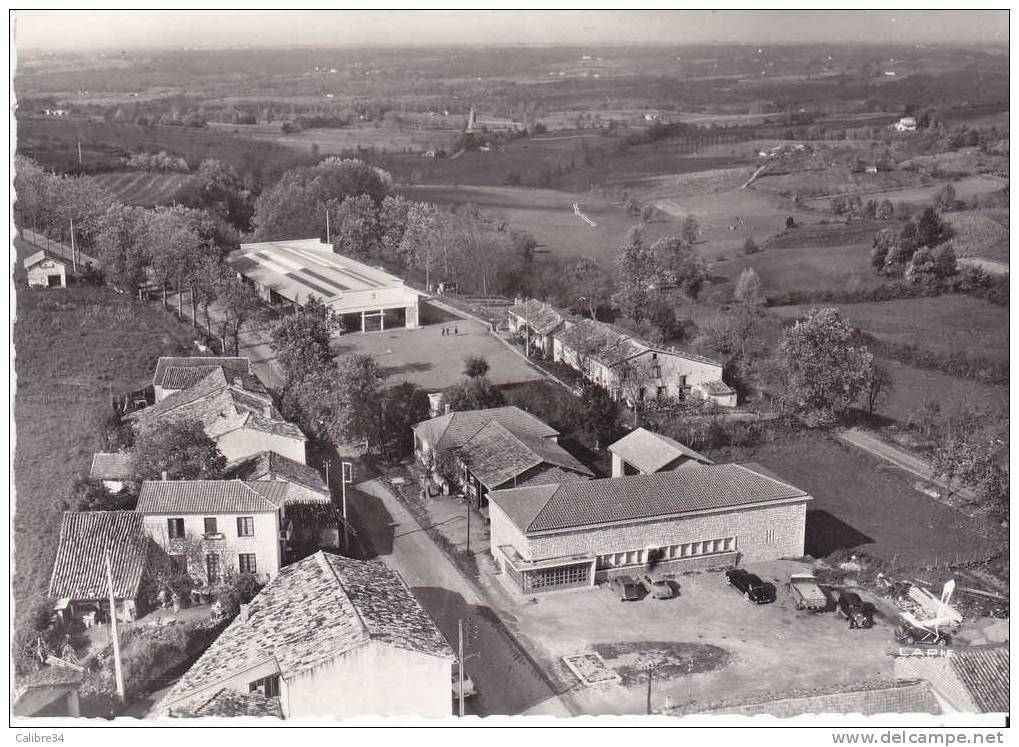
821	184
945	324
861	503
75	348
963	161
339	140
967	188
548	215
141	187
914	385
981	233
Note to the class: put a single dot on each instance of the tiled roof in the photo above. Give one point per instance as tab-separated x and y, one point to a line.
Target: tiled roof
270	465
48	676
985	673
239	365
209	497
271	425
621	499
551	475
38	257
717	387
538	315
610	346
313	611
495	455
230	703
184	377
111	465
452	430
79	571
649	451
867	698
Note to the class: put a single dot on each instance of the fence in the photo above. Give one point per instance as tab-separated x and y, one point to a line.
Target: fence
61	250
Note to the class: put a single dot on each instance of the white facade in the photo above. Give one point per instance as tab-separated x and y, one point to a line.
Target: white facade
226	543
245	442
47	273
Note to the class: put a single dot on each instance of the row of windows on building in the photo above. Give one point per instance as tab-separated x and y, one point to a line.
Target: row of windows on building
245	527
669	552
213	568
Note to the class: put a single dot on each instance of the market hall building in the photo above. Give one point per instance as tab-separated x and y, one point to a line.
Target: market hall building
367	298
579	533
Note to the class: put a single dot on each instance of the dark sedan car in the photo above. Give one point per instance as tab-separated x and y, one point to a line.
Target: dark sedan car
750	586
855	610
912	635
627	588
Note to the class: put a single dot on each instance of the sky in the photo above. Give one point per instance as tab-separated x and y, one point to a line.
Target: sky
83	30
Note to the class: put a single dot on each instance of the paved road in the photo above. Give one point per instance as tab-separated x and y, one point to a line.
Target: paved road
900	458
508	682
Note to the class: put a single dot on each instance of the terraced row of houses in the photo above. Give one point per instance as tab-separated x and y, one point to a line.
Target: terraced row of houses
629	368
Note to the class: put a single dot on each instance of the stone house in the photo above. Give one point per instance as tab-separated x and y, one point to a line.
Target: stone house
330	636
535	322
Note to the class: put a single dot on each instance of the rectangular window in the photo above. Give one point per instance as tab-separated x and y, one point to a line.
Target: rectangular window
175	528
246	562
657	372
660	392
212	567
569	575
769	537
267	686
210	525
245	526
179	563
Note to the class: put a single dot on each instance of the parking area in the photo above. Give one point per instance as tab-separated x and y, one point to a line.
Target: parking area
434	360
709	643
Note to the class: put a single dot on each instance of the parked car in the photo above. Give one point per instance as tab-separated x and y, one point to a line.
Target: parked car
912	635
469	688
851	607
627	588
657	587
750	586
806	593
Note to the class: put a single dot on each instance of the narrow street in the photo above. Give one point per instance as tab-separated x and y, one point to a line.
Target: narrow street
508	683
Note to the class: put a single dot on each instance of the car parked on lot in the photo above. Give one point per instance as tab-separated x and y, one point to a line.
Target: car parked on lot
913	635
658	587
855	610
750	586
627	588
470	689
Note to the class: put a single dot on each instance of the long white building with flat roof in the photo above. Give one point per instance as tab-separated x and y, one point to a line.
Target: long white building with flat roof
366	297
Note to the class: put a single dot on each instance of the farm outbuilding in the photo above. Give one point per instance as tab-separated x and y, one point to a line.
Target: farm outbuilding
292	272
45	271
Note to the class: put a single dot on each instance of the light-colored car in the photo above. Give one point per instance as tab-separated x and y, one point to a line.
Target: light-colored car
627	589
469	688
658	587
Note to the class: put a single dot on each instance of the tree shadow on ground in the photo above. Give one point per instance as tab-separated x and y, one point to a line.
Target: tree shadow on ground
407	368
827	533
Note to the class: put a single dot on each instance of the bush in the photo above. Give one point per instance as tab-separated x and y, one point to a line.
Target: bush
750	246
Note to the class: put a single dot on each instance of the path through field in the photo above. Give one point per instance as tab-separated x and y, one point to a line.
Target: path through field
588	221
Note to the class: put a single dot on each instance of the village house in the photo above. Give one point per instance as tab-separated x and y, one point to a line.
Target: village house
216	527
636	371
174	374
330	636
496	448
905	124
45	271
241	421
644	452
535	322
304	483
113	469
579	533
79	583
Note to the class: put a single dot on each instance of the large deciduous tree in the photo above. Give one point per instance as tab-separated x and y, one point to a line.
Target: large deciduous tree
639	273
182	449
824	374
474	394
301	340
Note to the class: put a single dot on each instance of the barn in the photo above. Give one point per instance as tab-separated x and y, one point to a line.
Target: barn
45	271
578	533
366	298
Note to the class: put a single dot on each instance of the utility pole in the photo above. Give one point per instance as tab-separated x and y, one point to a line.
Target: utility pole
328	235
79	154
325	463
194	309
113	630
346	475
460	663
468	524
650	670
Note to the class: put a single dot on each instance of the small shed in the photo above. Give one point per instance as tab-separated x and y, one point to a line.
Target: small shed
45	271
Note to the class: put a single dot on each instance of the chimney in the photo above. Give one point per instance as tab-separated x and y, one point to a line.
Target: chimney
447	409
164	475
243	614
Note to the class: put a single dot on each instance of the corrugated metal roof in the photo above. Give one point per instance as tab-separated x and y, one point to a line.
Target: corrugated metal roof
313	611
79	571
209	497
111	465
649	451
621	499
